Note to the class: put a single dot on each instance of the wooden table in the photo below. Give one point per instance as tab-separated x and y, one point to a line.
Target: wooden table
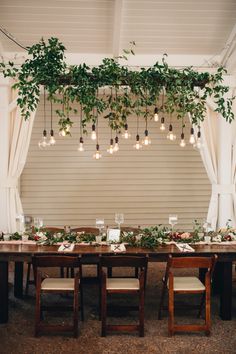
23	253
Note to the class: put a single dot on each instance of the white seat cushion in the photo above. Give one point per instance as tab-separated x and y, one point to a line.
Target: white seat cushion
58	284
188	284
122	284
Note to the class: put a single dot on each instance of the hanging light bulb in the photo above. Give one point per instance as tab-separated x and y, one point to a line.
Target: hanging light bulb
162	127
192	138
198	143
81	144
182	142
97	154
52	140
68	126
137	145
146	141
156	116
171	136
93	133
43	143
110	150
126	134
116	147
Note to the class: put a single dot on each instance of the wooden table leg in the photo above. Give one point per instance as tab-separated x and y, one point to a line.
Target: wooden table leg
3	292
18	280
226	291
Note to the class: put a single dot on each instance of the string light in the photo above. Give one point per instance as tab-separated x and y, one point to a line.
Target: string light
192	138
126	134
110	150
162	127
182	141
93	133
171	136
198	143
146	141
52	140
81	140
156	116
137	145
116	147
97	154
43	142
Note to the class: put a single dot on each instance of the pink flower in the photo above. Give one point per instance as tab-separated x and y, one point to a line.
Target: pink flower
185	236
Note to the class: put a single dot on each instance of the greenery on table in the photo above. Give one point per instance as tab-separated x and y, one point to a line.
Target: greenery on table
186	90
149	237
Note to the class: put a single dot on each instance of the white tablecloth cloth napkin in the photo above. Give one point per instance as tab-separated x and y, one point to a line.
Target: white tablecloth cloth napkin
184	247
118	248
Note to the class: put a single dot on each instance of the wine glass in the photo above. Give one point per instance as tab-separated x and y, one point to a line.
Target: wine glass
100	225
38	223
173	220
20	218
119	219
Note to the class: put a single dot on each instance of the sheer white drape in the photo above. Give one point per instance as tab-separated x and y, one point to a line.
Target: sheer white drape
214	160
16	148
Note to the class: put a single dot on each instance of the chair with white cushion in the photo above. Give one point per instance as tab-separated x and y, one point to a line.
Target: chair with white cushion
188	285
123	285
53	285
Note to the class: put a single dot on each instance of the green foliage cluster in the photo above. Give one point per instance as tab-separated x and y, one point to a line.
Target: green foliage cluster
139	92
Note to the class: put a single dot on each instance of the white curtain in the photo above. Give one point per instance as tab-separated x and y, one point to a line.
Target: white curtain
19	134
210	145
209	157
234	173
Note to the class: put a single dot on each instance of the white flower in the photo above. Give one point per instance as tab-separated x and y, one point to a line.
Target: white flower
41	236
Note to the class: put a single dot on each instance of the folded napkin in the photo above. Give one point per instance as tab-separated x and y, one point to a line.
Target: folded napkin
117	248
184	247
66	247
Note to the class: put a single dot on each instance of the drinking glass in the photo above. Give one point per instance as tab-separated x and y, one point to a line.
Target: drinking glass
173	220
38	223
100	225
119	219
20	219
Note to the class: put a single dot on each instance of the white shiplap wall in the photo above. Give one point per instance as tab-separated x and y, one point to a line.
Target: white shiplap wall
66	187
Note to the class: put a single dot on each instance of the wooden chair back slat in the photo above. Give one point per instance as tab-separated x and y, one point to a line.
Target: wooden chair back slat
123	261
89	230
191	262
56	261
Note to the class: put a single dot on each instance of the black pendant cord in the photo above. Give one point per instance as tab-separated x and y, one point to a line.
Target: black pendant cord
80	123
51	117
137	124
44	111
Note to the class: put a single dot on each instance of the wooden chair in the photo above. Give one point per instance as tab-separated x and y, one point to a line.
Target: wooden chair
32	281
91	260
122	285
187	285
57	285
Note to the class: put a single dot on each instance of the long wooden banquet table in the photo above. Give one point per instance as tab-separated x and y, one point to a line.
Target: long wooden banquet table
24	252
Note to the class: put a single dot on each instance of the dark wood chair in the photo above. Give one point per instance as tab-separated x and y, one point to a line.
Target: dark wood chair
52	285
30	281
187	285
91	260
122	285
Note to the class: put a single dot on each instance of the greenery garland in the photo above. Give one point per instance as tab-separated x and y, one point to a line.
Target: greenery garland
139	92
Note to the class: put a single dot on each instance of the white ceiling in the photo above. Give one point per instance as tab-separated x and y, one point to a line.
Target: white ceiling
186	27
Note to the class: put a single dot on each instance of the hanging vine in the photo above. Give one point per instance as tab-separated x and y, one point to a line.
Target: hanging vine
186	91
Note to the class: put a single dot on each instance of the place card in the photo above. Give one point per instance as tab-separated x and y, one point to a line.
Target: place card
66	247
113	235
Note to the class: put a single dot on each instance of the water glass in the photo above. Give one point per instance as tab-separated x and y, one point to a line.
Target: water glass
119	219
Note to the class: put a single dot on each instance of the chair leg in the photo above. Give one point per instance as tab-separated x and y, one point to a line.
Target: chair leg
161	302
81	301
104	311
27	279
208	311
76	310
37	312
201	305
141	314
171	314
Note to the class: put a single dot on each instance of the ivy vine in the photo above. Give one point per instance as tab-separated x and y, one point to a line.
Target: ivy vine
185	91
